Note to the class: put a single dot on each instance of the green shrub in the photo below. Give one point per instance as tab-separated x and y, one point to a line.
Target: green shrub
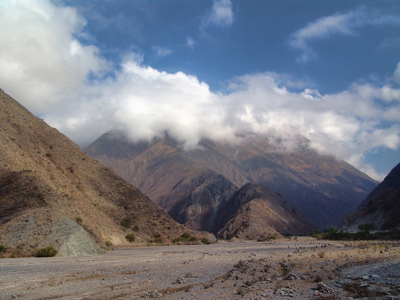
3	249
158	240
206	241
130	237
79	220
126	222
46	252
109	244
193	239
186	235
180	240
136	228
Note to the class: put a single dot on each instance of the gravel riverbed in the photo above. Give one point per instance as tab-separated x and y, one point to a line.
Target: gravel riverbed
299	268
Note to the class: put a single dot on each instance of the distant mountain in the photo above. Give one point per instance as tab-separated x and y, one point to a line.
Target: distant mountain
322	188
254	211
47	182
381	207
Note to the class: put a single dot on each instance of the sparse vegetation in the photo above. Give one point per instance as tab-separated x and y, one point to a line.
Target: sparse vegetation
186	235
205	241
185	238
109	244
3	249
130	237
364	233
158	240
46	252
79	220
136	228
126	222
179	240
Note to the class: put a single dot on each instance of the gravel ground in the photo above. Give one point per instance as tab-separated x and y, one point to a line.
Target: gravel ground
300	268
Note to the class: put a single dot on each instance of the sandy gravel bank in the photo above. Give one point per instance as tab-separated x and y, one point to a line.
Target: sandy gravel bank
302	269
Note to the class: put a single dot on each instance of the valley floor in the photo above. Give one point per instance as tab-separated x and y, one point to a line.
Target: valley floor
300	268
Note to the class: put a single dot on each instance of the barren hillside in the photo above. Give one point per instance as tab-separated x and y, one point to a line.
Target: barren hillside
47	182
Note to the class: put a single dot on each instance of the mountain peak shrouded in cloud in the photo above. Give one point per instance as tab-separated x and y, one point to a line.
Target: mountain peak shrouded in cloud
82	80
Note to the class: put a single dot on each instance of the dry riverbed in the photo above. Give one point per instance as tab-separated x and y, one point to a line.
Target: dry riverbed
301	268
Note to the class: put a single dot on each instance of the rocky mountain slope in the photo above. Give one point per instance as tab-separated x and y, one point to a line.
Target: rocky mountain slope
254	211
381	207
322	188
47	182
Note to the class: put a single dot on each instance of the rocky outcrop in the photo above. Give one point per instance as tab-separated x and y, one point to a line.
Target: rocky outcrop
199	210
381	207
42	228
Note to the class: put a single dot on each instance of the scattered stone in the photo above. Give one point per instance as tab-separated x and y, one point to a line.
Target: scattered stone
323	288
291	277
365	277
191	275
152	294
338	284
285	292
180	280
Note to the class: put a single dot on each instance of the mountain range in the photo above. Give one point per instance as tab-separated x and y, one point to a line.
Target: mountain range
195	185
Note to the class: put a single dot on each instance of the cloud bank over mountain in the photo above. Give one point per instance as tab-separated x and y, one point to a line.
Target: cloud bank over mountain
50	64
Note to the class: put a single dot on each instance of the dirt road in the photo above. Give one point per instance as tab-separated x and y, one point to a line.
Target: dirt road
303	269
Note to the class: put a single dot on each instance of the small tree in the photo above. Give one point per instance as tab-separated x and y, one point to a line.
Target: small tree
46	252
205	241
366	228
126	222
331	233
130	237
3	249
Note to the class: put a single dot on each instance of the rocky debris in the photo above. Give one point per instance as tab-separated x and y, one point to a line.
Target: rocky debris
191	275
152	294
180	280
291	277
323	288
286	267
285	292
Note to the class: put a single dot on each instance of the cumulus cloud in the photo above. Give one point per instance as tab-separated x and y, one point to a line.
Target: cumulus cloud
75	90
40	55
337	24
220	15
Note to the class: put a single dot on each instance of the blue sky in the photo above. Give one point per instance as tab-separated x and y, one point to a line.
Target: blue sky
326	70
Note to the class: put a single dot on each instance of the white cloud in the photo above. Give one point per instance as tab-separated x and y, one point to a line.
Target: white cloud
190	42
40	57
337	24
220	15
162	51
48	73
